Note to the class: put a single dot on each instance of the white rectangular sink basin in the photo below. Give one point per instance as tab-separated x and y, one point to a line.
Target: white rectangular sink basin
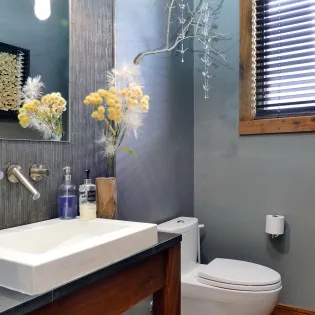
39	257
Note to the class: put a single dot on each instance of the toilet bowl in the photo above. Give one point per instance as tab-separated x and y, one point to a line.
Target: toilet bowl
224	286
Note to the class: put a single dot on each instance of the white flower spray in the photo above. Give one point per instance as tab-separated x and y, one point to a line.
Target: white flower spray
32	90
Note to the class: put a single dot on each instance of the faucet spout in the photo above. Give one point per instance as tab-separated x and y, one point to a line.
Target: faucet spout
15	175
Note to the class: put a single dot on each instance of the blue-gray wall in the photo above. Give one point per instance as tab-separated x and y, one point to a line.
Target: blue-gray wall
238	180
158	184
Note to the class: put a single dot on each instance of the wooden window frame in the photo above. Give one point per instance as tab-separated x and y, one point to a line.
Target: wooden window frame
248	125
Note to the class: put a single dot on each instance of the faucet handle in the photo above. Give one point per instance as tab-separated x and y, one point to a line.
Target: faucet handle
37	172
12	173
1	174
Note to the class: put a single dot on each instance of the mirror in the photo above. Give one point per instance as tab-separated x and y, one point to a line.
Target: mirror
34	41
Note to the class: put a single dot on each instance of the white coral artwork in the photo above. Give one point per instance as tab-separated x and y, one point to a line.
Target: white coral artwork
10	81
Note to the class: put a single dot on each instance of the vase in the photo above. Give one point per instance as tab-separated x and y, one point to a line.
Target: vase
106	197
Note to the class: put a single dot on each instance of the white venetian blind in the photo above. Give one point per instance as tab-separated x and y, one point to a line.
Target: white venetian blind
285	58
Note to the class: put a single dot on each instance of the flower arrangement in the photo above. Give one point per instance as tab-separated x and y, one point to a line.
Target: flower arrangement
120	109
10	80
43	113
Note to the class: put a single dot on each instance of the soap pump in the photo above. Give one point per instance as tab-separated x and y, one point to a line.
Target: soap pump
87	200
67	197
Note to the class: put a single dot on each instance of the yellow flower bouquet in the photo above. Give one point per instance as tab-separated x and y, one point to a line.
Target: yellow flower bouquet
120	109
43	113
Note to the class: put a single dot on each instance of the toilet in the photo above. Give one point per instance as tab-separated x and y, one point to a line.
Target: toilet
224	286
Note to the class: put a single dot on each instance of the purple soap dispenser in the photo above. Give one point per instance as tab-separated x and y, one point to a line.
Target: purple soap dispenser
67	197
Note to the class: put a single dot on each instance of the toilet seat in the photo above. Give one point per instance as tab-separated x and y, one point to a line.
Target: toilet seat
192	288
238	275
240	287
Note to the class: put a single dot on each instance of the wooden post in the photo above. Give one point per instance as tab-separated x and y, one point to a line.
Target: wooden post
167	301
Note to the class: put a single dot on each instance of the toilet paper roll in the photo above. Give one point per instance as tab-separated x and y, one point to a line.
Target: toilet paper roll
275	224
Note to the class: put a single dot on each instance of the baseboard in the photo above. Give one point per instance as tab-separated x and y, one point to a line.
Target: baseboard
290	310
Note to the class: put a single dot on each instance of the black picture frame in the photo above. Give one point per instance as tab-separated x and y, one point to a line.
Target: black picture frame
14	50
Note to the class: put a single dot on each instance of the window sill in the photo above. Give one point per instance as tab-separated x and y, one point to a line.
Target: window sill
277	125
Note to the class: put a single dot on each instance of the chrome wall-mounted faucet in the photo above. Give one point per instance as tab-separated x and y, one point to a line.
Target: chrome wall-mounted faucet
15	175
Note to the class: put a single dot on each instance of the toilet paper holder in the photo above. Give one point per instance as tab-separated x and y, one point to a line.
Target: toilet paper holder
275	225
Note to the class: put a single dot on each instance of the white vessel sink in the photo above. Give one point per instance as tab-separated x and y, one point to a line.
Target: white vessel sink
39	257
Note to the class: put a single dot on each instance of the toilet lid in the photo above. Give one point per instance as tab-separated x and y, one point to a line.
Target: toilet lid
229	273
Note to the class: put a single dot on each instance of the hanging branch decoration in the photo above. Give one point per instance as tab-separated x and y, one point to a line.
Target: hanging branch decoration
199	25
182	22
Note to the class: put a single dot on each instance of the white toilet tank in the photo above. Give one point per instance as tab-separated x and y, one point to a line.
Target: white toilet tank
188	227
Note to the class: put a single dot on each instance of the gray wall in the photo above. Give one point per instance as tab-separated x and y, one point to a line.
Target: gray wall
238	180
48	42
158	184
91	55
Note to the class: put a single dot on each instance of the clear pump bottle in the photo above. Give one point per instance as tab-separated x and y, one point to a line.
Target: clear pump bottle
87	199
67	197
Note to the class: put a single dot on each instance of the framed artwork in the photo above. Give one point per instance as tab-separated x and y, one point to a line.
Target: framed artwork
14	71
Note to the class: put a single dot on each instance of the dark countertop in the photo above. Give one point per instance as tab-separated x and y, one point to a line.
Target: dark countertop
14	303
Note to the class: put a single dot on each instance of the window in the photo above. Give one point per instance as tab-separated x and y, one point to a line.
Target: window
277	66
